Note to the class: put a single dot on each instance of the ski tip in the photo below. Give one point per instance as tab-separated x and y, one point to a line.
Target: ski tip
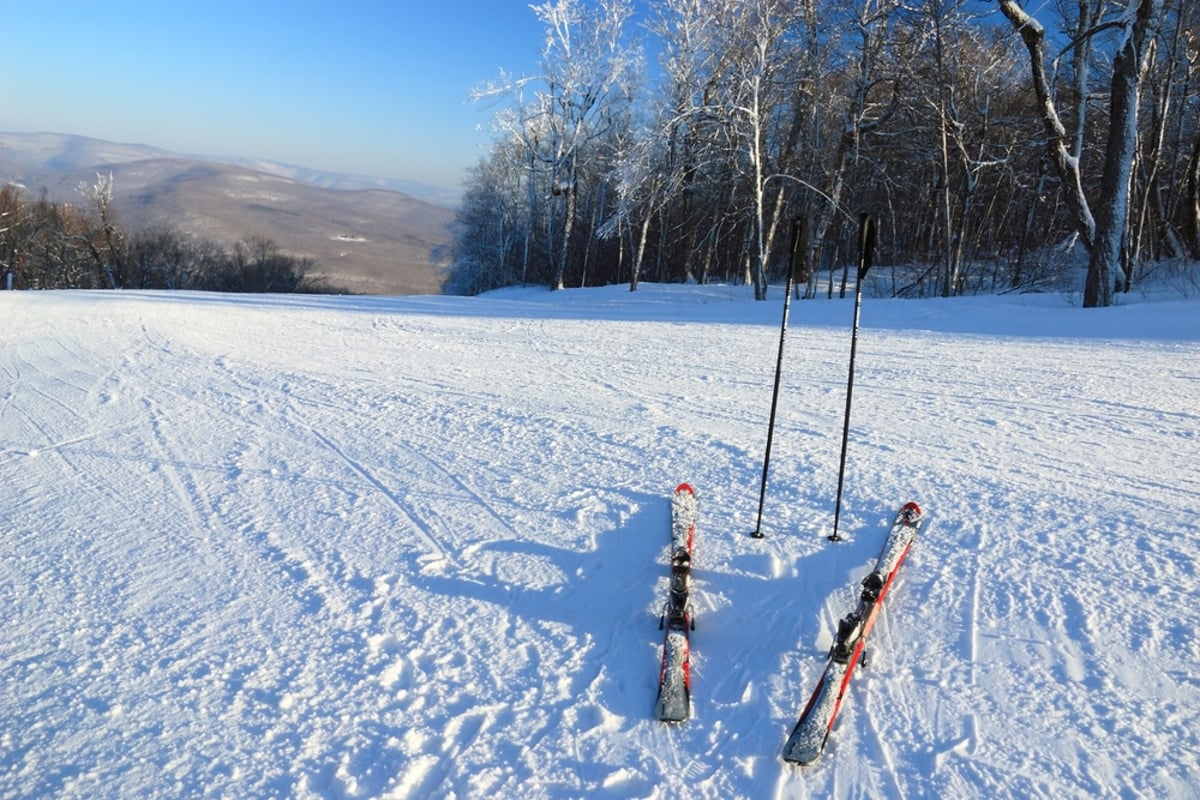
912	507
685	487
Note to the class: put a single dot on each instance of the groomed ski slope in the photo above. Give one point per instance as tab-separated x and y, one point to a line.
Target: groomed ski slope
415	547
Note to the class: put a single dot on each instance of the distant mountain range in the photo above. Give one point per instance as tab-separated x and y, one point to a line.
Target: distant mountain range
364	234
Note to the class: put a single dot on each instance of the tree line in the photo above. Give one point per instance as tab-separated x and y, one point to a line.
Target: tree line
49	245
988	146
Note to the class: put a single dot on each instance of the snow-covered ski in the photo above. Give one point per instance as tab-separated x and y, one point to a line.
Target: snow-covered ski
808	737
674	676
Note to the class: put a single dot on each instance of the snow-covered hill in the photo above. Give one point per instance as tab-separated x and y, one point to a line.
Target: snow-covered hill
370	240
416	547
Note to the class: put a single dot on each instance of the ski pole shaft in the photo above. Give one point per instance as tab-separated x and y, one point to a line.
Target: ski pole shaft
798	244
866	246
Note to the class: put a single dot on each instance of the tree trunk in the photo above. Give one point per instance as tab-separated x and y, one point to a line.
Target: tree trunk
758	267
1192	201
1067	166
1112	212
640	253
1103	235
568	194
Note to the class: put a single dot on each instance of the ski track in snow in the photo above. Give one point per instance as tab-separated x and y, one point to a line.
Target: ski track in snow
417	547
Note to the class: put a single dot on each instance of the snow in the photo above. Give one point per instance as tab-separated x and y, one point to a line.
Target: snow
417	547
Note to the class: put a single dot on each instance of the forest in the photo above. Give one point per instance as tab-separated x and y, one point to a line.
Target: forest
997	150
82	245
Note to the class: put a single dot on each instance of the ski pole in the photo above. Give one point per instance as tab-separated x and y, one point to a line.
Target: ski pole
799	243
866	247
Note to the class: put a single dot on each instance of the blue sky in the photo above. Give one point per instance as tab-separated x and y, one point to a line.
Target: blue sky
378	88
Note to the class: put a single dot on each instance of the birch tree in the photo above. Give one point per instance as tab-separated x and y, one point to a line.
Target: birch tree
584	63
659	166
106	245
869	101
1103	231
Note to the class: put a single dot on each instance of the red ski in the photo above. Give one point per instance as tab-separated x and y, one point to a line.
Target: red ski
674	675
808	737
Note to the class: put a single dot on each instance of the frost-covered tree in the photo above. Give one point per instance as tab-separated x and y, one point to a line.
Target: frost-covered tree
914	110
492	233
107	244
1103	223
566	118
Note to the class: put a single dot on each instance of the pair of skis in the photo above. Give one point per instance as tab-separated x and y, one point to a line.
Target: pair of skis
808	737
674	677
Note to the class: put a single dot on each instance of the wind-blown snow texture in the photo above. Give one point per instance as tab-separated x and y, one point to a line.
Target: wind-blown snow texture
416	547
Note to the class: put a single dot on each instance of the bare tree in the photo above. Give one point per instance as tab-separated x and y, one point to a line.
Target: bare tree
584	63
956	77
107	244
763	109
869	102
490	222
1159	222
1103	232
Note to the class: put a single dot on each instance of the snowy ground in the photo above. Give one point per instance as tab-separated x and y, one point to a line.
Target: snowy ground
416	547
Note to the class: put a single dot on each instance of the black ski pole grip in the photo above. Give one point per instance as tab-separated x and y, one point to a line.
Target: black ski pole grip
866	244
799	245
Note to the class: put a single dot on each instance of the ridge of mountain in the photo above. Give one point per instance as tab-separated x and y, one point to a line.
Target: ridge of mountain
367	239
